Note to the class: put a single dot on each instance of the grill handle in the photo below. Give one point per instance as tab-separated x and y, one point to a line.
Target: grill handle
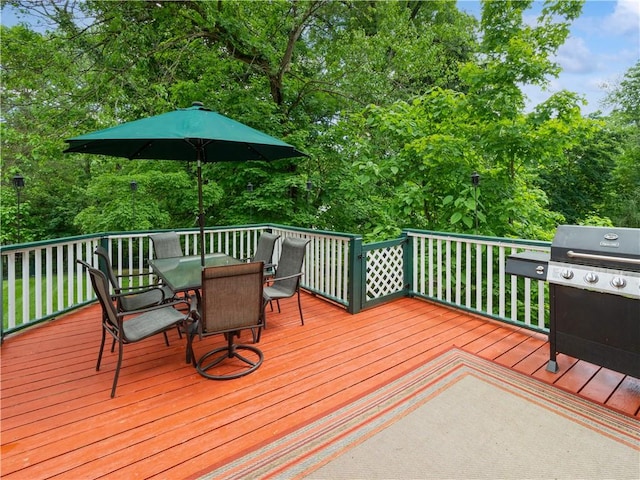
590	256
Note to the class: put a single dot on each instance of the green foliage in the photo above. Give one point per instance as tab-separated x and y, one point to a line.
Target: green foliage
37	72
396	103
576	180
16	228
622	192
163	199
625	98
418	159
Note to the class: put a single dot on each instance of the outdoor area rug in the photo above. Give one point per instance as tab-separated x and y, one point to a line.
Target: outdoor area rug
456	417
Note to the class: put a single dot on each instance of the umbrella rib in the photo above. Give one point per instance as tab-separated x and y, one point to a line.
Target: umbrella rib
199	146
142	148
251	147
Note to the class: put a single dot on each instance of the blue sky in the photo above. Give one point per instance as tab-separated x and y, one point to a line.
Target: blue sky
604	43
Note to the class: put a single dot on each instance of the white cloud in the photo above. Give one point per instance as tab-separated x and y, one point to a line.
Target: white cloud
574	56
625	18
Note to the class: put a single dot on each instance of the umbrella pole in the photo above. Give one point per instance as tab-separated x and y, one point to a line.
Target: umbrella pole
200	210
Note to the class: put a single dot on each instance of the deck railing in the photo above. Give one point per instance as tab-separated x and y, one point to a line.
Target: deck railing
42	280
469	272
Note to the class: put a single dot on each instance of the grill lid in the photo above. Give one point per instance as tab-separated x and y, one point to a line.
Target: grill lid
606	247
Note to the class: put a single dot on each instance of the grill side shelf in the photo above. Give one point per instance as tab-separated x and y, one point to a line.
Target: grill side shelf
528	264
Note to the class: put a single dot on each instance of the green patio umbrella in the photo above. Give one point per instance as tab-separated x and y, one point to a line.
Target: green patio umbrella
190	134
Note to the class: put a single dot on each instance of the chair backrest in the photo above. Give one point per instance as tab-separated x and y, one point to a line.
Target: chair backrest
166	245
290	263
264	251
101	289
111	276
232	297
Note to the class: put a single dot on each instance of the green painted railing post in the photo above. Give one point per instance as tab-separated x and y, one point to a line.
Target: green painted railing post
407	260
356	276
1	303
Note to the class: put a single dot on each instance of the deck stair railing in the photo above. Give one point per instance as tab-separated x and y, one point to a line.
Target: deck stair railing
42	280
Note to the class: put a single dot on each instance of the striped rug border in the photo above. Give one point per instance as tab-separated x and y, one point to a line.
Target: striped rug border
310	447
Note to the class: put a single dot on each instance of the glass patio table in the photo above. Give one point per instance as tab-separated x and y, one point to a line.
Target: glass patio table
182	274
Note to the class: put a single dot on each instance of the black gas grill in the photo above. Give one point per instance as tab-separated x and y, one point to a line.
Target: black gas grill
594	288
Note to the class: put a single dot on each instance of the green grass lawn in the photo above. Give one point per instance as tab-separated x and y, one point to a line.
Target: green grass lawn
32	298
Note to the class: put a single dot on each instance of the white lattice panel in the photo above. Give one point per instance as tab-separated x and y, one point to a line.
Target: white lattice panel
384	272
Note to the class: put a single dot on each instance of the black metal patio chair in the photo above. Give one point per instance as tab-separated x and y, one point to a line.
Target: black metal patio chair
231	301
136	297
286	281
131	326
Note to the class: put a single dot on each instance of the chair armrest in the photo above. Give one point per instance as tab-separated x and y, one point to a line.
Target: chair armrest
139	289
272	280
156	307
141	274
266	265
125	292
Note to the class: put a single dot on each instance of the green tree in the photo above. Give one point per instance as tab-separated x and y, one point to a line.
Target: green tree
622	202
288	68
418	156
394	101
577	182
37	74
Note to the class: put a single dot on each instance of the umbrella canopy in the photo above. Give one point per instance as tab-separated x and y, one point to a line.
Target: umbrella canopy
189	134
178	135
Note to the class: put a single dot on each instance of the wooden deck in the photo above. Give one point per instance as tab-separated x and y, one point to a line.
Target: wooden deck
166	421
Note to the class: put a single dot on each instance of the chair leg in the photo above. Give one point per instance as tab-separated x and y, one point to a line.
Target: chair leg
104	334
115	378
264	313
257	333
191	327
191	356
166	338
300	308
278	303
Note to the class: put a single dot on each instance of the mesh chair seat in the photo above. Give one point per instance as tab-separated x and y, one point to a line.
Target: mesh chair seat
141	300
149	323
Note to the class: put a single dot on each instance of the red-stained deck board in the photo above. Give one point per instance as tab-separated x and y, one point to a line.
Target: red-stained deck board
577	376
528	346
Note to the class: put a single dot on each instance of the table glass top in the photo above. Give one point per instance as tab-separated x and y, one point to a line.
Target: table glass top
185	273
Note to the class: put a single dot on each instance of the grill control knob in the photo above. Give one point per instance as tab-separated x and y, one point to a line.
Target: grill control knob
618	282
591	277
566	274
